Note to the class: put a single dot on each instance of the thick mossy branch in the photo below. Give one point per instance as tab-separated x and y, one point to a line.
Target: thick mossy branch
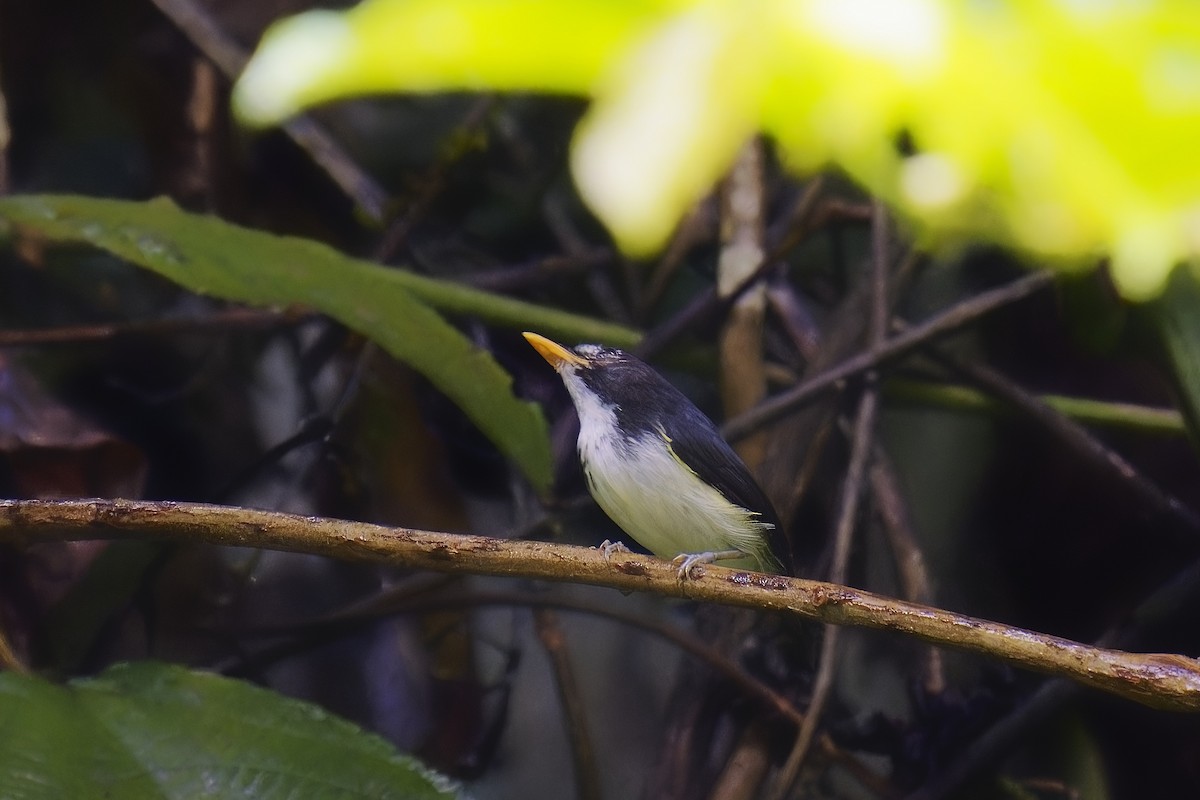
1163	681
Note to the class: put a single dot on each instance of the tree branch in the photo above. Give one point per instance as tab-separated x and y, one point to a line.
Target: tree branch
1164	681
953	318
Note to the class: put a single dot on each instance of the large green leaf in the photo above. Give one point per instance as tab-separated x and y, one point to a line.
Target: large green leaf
156	731
390	306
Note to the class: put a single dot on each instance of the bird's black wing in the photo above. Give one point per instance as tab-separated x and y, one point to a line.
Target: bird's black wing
698	444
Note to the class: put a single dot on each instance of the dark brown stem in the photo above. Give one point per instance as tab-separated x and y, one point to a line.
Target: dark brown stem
1077	437
217	322
952	319
852	489
209	38
1011	731
434	181
906	551
554	641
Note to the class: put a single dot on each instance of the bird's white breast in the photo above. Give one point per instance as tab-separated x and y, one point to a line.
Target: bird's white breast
652	495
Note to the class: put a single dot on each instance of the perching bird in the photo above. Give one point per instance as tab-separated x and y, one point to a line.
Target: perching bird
659	467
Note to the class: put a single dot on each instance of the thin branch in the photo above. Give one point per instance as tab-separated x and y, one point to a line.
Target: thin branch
347	620
1078	438
209	38
403	601
705	304
864	431
434	181
999	739
217	322
1011	730
906	551
852	490
543	270
957	316
1165	681
695	228
554	641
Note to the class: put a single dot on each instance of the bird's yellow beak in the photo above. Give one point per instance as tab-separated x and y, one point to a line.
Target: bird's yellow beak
553	352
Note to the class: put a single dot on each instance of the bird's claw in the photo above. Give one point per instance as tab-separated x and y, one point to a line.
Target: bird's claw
688	562
608	548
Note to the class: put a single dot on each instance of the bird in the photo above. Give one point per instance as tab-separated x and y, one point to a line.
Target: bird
659	467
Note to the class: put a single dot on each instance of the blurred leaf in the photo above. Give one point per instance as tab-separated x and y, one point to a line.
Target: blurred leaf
1178	321
1064	129
466	44
389	306
149	730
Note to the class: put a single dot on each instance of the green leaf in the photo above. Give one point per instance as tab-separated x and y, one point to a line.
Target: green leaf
155	731
390	306
1177	316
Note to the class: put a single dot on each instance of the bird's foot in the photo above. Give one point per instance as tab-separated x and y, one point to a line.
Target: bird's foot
607	549
689	561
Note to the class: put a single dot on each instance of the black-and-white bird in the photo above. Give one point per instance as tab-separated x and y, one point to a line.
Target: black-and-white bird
659	467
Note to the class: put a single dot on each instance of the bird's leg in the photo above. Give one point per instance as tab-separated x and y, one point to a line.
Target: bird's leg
689	561
607	548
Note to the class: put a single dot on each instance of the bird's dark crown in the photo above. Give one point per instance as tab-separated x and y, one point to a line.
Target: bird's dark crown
643	399
599	356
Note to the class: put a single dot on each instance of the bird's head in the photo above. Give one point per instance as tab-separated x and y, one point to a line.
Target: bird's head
604	377
580	357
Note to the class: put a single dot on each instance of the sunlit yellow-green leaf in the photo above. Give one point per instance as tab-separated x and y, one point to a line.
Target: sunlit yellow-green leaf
430	45
1065	129
668	121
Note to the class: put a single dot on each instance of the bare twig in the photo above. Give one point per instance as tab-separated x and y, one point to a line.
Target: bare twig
217	322
558	219
910	561
433	182
847	517
206	34
692	645
524	276
1077	438
1053	695
554	641
695	227
998	740
1164	681
955	317
705	304
743	381
864	429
